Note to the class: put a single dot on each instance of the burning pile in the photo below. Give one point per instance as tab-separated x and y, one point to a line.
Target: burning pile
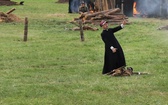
113	16
8	17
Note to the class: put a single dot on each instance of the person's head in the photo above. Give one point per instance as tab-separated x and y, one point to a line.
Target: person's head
104	24
83	4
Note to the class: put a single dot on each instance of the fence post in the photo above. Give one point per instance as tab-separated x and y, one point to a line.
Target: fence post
81	30
26	29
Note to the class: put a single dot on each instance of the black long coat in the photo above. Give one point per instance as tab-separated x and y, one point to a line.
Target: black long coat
112	60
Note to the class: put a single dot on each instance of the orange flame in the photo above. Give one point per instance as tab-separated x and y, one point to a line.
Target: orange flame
135	12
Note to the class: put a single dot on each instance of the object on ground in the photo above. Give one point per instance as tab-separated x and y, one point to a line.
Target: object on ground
163	27
122	71
9	17
9	2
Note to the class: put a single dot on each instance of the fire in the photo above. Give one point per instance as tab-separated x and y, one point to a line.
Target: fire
91	11
135	12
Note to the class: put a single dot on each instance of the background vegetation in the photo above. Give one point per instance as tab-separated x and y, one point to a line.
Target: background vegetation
55	68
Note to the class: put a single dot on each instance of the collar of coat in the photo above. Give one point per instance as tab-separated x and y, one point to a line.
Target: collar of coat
106	29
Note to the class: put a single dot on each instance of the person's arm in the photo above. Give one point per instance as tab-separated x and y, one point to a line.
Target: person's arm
119	27
115	29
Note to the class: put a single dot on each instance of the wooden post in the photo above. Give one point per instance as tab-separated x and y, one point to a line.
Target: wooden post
113	4
25	29
106	5
81	30
122	6
103	5
10	11
99	4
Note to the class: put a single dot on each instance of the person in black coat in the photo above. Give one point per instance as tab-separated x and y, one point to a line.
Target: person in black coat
114	55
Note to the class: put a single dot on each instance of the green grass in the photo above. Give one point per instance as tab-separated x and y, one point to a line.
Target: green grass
55	68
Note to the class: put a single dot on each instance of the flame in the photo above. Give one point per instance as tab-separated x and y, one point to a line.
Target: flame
135	12
91	12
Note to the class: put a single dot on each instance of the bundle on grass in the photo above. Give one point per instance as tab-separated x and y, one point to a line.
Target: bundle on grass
9	17
122	71
9	3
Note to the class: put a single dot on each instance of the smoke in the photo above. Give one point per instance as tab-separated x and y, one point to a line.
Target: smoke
153	7
74	5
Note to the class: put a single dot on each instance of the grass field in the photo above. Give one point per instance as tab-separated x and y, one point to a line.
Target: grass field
55	68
